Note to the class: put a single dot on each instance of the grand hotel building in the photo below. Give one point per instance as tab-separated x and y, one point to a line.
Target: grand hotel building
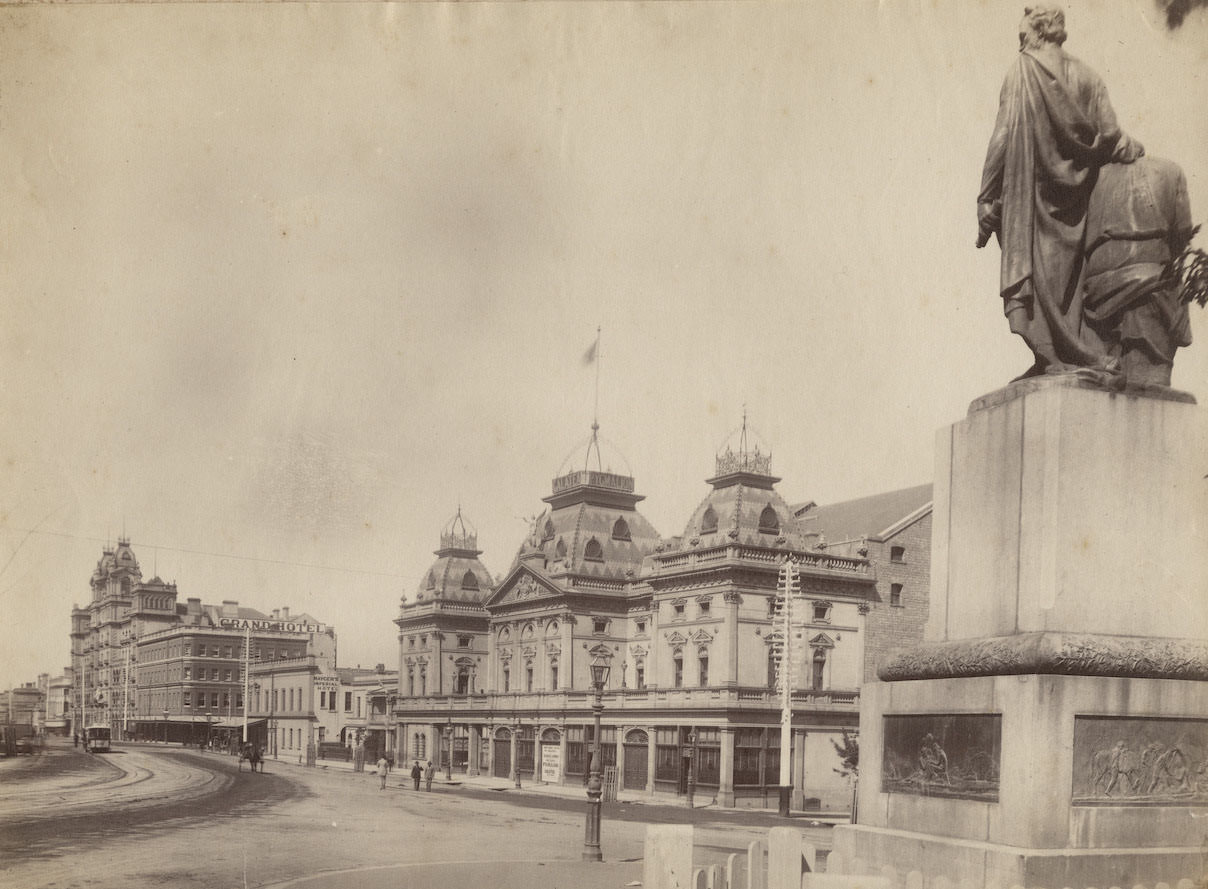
494	677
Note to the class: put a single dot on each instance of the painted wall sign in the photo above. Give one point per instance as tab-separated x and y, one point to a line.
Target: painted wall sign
272	626
1127	761
937	754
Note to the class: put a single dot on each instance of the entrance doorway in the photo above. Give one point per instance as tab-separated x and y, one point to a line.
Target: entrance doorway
637	745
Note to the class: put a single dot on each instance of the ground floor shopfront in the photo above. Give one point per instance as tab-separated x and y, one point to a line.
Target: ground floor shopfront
731	754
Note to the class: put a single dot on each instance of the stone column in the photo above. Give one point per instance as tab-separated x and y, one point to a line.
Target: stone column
475	741
651	759
439	678
562	754
725	790
492	683
732	601
566	669
654	669
515	754
797	798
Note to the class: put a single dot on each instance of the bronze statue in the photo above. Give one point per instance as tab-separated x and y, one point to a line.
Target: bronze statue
1088	227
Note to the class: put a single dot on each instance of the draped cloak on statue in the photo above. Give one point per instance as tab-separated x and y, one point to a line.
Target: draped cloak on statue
1055	129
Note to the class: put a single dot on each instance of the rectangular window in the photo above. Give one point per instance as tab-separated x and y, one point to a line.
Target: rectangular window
187	700
506	680
639	675
576	750
214	674
226	699
358	705
599	626
239	699
641	626
895	594
679	672
464	641
213	699
708	755
666	754
553	677
214	651
704	606
226	675
322	700
678	609
188	673
226	651
528	678
347	702
704	671
748	746
897	554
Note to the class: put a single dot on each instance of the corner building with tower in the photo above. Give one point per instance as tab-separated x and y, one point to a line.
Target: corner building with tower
495	678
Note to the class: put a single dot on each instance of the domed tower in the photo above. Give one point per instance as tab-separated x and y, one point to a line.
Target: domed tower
567	600
591	528
117	571
442	631
743	506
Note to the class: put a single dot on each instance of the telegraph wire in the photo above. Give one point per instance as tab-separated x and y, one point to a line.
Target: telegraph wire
200	552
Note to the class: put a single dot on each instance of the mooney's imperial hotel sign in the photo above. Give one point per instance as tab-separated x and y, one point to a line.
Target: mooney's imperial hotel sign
270	626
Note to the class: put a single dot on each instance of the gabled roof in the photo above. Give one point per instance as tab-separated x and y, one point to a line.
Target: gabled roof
875	516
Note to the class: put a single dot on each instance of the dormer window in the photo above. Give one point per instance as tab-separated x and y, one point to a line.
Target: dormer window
769	522
620	530
469	581
593	552
708	522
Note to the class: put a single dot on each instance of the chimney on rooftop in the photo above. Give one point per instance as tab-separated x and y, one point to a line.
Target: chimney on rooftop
276	614
230	608
285	613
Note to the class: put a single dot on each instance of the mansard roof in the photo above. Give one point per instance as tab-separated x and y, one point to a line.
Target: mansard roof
457	575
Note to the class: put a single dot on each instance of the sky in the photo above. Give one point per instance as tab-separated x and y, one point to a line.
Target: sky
285	285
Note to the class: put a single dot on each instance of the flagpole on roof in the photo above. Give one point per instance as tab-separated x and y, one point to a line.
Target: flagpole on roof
593	357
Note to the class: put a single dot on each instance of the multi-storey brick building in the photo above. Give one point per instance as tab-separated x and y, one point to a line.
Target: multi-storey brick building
685	625
150	666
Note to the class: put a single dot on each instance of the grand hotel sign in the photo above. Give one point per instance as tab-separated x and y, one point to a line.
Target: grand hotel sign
269	626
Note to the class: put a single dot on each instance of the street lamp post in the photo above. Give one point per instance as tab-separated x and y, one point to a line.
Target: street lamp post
591	839
449	761
209	716
165	725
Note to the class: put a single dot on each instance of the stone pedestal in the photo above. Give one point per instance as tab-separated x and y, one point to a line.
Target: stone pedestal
1052	730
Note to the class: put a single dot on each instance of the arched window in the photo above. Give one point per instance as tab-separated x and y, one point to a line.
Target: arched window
677	663
547	533
620	530
469	581
560	549
431	584
769	522
593	552
708	522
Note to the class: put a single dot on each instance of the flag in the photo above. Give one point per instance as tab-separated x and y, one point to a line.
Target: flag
589	357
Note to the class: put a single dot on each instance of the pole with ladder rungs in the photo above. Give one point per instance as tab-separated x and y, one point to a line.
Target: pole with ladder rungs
788	589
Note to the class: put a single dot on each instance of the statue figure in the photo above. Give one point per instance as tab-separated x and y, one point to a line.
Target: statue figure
1055	131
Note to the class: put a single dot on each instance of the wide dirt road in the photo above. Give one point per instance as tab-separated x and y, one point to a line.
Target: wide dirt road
147	816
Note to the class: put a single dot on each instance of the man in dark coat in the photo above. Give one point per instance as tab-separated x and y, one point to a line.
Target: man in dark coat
416	771
1055	129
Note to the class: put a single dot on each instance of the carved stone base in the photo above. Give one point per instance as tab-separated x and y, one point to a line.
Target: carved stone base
1035	780
1065	654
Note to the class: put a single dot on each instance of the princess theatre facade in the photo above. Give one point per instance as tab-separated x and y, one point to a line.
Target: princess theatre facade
495	677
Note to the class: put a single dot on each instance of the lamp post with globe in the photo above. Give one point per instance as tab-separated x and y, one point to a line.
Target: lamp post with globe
595	790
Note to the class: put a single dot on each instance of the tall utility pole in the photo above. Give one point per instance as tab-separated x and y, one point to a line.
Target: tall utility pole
247	657
788	589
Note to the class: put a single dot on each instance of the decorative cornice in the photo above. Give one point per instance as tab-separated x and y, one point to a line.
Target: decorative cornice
1063	654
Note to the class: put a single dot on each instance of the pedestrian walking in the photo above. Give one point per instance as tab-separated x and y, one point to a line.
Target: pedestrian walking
416	771
383	766
428	778
75	740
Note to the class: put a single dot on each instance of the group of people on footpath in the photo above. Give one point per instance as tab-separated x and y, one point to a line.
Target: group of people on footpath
385	763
